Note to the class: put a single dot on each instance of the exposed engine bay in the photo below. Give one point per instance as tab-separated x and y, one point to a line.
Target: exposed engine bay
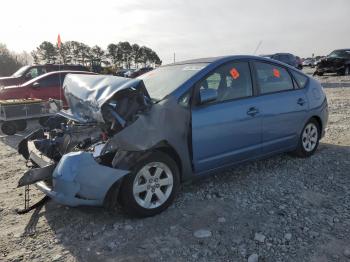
63	135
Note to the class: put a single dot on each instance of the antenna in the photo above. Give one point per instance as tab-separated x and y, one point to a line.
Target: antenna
257	47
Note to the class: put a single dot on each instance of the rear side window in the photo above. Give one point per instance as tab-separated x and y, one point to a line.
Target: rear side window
300	78
272	78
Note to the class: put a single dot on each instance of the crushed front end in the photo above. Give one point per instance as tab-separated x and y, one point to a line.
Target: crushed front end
68	159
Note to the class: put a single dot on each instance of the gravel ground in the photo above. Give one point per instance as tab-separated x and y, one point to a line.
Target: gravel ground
278	209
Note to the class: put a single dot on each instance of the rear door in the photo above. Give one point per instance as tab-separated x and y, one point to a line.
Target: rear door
283	107
228	129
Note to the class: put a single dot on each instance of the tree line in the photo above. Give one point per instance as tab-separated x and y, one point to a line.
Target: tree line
120	55
10	62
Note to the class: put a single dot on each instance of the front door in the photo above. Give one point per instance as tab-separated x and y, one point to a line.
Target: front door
227	129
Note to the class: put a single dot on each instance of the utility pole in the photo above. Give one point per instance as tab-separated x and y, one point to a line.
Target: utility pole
257	47
174	57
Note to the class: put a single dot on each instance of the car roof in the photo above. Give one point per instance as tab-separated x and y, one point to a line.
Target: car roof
344	49
219	59
55	65
58	72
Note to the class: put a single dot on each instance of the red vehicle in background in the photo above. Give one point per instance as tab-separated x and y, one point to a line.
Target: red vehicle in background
42	87
26	73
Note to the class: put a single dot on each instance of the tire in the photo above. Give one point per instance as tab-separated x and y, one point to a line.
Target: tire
146	202
9	128
347	70
21	125
308	140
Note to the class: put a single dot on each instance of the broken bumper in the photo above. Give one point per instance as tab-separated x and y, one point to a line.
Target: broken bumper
76	180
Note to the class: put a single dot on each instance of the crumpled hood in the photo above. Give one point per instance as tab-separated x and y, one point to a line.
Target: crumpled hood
86	94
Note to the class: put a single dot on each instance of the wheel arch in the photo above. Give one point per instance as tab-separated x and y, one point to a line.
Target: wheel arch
167	149
318	120
113	197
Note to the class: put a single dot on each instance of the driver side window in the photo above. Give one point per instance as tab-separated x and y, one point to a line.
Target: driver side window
32	73
230	81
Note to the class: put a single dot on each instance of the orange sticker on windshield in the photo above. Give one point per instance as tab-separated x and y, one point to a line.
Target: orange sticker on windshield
276	73
234	73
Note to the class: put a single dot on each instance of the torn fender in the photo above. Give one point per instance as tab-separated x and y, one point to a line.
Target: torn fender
79	180
167	122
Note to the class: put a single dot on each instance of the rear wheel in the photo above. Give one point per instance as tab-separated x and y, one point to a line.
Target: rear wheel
151	187
9	128
347	70
21	125
309	139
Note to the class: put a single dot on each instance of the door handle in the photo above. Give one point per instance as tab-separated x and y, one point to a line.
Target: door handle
252	111
301	101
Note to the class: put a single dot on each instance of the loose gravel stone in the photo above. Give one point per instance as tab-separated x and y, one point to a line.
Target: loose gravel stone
202	233
259	237
221	220
288	236
346	252
253	258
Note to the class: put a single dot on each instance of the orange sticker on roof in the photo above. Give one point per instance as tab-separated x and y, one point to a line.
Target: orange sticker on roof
276	73
234	73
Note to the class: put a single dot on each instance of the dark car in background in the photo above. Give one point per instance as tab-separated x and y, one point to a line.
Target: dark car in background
140	71
337	61
121	72
287	58
27	73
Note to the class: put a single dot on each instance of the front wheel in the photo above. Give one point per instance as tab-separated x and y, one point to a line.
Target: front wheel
347	70
151	187
309	139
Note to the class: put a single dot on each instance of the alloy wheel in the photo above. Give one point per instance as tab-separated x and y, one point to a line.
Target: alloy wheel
310	137
153	185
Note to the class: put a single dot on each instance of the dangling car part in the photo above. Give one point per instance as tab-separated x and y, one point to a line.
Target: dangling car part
133	141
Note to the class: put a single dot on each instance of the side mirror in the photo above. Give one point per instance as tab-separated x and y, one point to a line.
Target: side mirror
208	95
35	85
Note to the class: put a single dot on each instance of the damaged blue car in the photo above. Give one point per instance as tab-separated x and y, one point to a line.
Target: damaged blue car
132	142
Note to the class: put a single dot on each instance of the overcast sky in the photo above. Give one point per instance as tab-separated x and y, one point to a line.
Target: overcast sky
191	29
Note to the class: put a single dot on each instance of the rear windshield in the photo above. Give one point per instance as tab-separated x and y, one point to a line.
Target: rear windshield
164	80
20	71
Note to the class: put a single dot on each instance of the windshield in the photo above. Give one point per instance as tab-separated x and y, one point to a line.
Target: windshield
164	80
340	54
20	71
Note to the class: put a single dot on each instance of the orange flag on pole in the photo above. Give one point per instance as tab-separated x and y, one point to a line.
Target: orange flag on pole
59	41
